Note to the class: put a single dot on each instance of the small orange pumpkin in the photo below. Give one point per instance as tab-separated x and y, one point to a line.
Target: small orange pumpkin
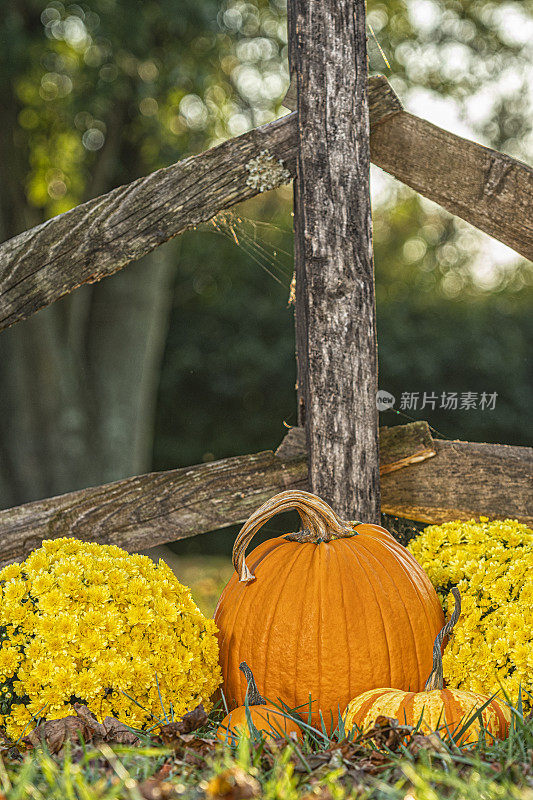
264	717
436	708
326	613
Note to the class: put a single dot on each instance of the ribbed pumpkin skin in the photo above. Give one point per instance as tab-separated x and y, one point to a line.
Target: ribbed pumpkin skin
332	620
267	719
441	709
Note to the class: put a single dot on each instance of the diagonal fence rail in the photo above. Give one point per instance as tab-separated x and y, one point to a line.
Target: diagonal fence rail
424	479
92	241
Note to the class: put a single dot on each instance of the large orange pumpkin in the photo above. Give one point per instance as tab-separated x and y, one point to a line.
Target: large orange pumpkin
265	717
436	708
327	613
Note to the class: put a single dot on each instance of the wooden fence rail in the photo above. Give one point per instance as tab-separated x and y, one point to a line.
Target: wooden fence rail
489	190
96	239
422	478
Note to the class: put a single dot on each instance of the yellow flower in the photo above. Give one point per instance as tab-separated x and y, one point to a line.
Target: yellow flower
41	583
97	595
492	565
51	602
140	615
69	583
90	621
10	572
14	590
9	660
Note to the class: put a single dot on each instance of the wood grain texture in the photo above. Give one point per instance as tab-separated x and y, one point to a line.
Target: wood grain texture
382	99
98	238
94	240
147	510
491	191
487	189
399	446
463	480
335	306
402	445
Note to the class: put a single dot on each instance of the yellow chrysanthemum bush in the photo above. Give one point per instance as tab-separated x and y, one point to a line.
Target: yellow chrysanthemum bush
90	623
491	563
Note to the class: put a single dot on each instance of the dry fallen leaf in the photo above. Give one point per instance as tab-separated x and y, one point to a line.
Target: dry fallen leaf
157	789
55	733
387	732
187	724
377	761
87	716
233	784
432	743
111	730
194	750
84	726
118	733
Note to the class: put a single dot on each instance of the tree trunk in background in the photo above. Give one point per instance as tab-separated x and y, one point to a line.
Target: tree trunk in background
128	324
79	381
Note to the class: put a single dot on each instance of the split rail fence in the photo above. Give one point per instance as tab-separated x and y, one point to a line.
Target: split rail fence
422	478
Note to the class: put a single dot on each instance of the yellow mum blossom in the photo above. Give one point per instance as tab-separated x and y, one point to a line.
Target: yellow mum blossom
82	622
492	565
11	571
9	660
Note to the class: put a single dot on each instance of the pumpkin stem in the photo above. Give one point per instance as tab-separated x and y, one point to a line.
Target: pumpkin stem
436	679
319	523
254	698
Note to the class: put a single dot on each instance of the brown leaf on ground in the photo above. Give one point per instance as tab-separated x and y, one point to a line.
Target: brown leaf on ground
233	784
155	788
87	716
111	730
375	762
431	743
163	772
55	733
355	758
387	732
187	724
190	749
350	750
197	750
118	733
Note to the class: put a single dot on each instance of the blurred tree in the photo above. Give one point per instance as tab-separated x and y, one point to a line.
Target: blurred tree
93	96
96	94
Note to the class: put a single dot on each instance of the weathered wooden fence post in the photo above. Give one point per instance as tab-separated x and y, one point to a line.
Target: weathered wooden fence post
335	309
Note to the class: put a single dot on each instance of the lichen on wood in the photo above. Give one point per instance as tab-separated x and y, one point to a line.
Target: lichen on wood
266	172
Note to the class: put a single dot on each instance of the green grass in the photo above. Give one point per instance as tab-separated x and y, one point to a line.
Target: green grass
320	767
